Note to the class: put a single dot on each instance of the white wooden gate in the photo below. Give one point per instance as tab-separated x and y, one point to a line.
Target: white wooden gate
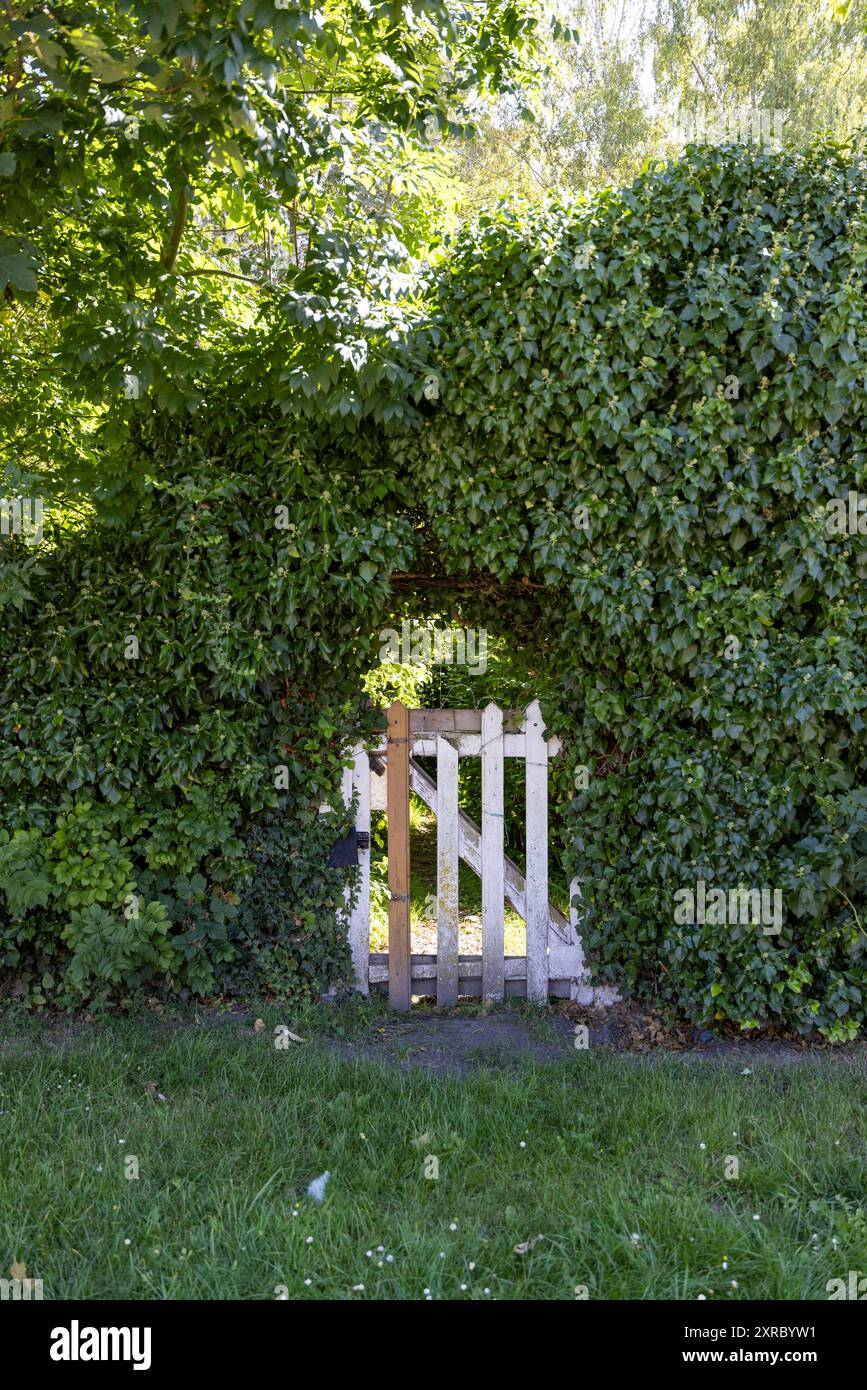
554	963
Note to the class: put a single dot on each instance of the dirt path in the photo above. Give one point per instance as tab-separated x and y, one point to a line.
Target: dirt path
458	1043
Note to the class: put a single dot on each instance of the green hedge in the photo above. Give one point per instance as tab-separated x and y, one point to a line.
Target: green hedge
627	419
161	821
643	405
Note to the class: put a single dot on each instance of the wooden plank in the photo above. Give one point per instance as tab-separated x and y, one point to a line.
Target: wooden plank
424	967
454	721
468	745
469	977
492	853
399	994
458	721
437	721
468	721
447	874
346	793
536	767
359	921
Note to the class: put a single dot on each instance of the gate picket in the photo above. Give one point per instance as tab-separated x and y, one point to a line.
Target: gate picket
359	920
536	765
447	874
493	933
399	965
554	960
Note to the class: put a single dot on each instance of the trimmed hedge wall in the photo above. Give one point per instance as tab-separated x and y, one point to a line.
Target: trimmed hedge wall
176	694
644	404
627	419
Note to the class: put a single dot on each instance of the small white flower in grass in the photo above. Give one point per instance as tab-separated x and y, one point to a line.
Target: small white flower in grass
835	1242
522	1145
369	1254
389	1259
428	1298
121	1141
734	1283
379	1264
127	1241
358	1288
426	1292
747	1071
309	1240
308	1282
635	1238
702	1298
725	1264
702	1146
453	1225
757	1218
486	1290
316	1190
380	1249
472	1265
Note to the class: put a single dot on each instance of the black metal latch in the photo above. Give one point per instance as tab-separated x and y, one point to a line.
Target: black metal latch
344	852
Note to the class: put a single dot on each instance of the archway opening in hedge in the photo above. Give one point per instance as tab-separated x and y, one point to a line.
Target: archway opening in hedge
448	645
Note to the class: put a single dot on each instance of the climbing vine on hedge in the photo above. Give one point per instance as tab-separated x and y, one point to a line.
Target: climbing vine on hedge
643	404
177	695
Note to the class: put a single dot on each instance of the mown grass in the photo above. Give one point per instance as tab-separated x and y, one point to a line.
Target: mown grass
601	1156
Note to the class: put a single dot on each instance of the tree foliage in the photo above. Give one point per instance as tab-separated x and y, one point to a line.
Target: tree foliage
178	179
640	81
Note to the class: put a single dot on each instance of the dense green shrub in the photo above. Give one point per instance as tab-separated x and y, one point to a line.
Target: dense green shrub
178	683
642	406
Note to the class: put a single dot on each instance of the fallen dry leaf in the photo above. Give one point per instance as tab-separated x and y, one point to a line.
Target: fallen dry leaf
18	1271
259	1025
281	1031
526	1245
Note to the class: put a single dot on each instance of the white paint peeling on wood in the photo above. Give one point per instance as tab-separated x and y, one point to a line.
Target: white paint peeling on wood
359	917
447	873
582	990
554	963
492	853
536	766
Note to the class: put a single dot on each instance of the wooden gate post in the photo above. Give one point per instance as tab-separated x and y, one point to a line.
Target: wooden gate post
397	757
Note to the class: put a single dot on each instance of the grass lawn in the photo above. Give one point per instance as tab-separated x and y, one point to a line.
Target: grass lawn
616	1162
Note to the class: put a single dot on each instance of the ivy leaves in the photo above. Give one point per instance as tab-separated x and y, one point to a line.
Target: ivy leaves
644	403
